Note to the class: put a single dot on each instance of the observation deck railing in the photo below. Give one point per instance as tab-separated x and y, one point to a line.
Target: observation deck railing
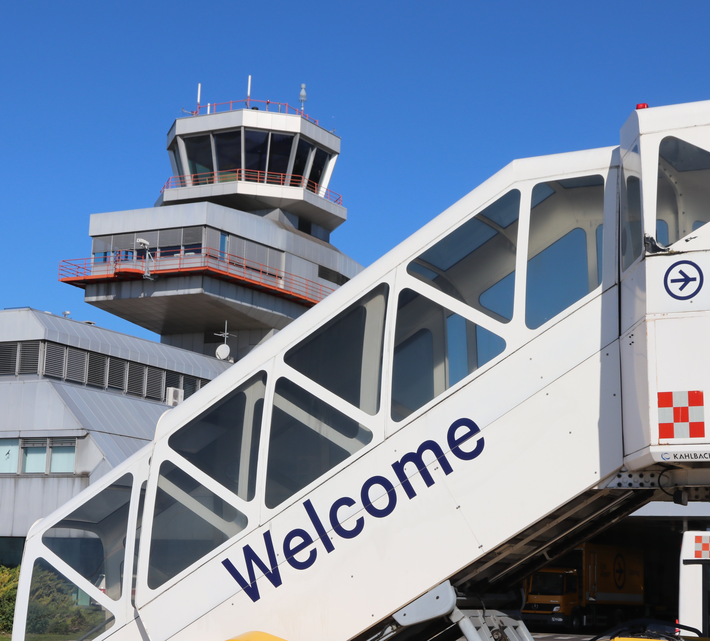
250	103
131	264
252	176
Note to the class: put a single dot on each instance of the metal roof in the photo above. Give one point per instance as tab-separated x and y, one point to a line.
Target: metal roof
31	324
119	425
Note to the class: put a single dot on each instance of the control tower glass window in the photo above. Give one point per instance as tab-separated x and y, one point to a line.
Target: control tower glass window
683	190
475	263
300	162
319	162
228	149
256	148
562	249
199	158
279	155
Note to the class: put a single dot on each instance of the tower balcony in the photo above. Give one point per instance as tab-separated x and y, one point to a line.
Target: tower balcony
132	265
249	189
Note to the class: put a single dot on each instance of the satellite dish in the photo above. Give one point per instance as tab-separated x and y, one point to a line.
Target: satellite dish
222	352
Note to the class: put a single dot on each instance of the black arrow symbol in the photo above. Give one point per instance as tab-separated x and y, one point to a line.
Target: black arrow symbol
685	280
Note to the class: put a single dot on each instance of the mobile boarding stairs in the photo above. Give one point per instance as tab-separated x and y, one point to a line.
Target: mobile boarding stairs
526	370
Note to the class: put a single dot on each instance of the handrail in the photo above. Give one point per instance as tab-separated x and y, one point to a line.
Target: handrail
251	175
129	262
233	105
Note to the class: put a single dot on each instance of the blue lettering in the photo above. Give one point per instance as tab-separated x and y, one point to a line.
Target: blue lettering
298	540
291	551
251	559
342	532
391	495
417	459
320	530
456	441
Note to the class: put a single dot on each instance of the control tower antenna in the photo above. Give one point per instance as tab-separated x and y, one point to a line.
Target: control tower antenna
248	91
199	91
302	97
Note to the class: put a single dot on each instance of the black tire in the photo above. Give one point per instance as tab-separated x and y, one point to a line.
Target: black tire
576	622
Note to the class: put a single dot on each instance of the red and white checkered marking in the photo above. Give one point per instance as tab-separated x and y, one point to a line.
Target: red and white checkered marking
681	415
702	547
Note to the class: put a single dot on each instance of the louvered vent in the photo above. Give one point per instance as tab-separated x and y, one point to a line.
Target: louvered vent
97	370
189	385
8	358
54	360
76	365
116	373
29	357
172	379
203	382
154	384
136	376
170	237
192	235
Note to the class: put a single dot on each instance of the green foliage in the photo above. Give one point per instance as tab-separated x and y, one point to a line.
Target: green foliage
8	593
53	607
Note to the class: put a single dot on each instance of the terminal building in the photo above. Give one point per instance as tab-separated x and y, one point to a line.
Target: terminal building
236	247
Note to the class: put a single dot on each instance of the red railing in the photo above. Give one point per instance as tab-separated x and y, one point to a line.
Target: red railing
249	103
251	175
129	264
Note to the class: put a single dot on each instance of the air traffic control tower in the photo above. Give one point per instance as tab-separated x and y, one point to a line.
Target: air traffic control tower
240	233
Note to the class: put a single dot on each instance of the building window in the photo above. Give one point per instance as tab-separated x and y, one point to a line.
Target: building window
9	449
37	455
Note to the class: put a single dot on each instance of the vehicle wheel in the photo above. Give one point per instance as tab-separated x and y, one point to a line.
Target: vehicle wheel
576	623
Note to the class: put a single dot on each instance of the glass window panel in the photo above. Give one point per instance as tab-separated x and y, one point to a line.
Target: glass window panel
223	442
345	355
317	168
59	609
9	453
456	351
413	374
92	538
256	144
557	278
565	246
308	438
189	521
280	152
475	263
199	154
630	222
62	460
683	190
228	149
488	345
662	232
434	349
34	458
300	162
499	297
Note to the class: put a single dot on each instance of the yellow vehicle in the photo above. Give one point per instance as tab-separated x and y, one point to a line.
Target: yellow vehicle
600	585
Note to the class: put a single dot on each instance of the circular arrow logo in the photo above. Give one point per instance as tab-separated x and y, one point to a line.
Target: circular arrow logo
683	280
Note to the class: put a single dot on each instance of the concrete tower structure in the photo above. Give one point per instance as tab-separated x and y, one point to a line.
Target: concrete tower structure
240	233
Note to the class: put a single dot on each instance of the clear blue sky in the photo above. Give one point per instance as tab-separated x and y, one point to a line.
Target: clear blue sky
430	99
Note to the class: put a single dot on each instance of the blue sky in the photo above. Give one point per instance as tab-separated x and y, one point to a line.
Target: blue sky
430	99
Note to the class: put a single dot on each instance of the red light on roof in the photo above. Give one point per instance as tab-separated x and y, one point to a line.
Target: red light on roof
642	105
